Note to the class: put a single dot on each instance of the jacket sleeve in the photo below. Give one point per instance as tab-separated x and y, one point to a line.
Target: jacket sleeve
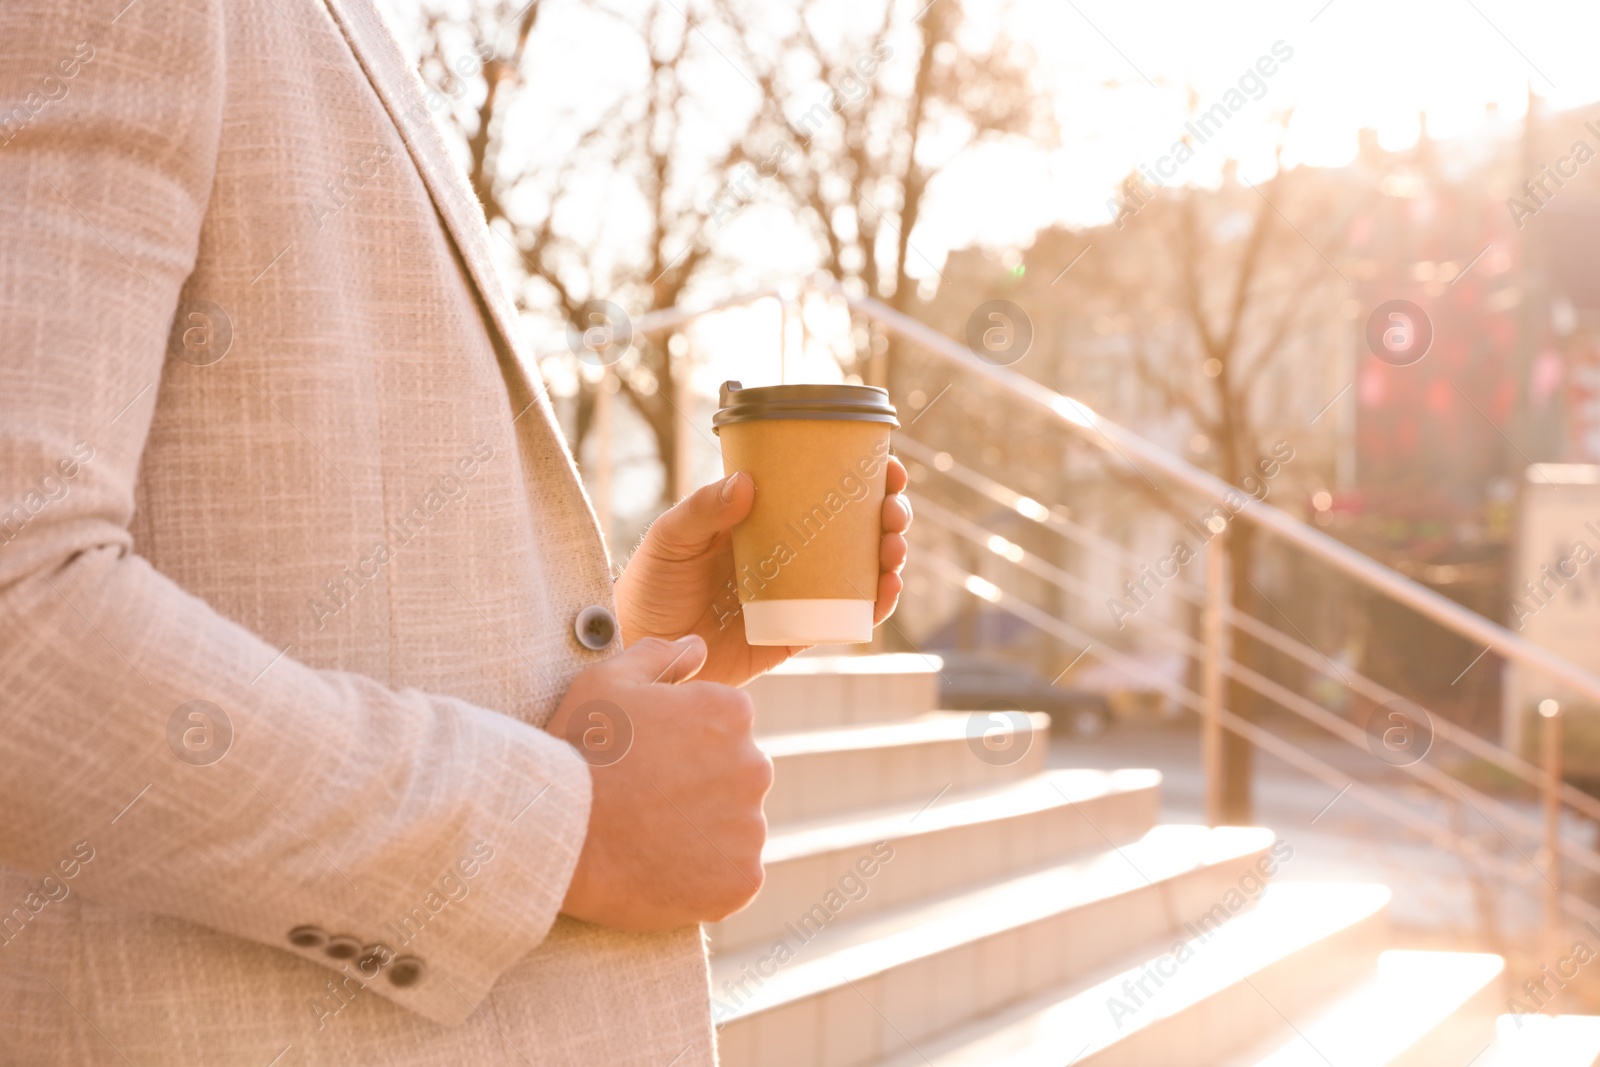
337	803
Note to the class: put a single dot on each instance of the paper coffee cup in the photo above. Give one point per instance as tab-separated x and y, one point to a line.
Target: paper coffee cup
806	559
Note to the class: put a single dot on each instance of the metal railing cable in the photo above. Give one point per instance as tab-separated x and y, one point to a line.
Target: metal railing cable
1290	753
1274	691
1034	511
1354	680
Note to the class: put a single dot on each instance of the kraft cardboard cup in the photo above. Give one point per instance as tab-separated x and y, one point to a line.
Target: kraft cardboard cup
806	559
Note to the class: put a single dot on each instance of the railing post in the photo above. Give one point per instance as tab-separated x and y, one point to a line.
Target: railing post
1216	651
1550	712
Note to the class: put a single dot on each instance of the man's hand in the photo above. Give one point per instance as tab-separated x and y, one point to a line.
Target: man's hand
680	580
675	826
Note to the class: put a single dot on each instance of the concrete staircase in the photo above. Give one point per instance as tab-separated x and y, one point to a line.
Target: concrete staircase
936	896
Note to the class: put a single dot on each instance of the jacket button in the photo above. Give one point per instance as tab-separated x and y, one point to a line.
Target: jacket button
308	937
406	971
596	627
343	947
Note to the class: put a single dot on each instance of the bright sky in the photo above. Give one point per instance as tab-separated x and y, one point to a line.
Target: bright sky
1120	73
1355	64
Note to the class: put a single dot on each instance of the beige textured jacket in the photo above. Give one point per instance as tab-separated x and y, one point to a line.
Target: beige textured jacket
291	553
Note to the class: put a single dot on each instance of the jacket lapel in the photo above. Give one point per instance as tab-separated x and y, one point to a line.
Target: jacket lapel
403	95
399	87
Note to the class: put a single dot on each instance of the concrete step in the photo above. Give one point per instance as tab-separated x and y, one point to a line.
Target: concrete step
863	989
894	856
823	772
1419	1009
1188	1003
1544	1041
817	692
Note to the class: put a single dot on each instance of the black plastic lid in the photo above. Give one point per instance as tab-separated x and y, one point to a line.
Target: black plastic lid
854	403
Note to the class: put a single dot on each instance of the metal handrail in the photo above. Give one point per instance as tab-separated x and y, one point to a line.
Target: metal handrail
1133	449
1102	433
1443	729
1285	750
670	318
1036	512
1308	710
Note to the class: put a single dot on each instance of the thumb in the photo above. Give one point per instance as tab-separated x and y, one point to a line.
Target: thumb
651	661
690	525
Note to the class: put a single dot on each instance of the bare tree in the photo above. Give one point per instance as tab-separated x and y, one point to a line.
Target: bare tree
1232	310
837	127
846	129
634	147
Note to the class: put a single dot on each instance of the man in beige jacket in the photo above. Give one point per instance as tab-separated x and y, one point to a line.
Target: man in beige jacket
300	597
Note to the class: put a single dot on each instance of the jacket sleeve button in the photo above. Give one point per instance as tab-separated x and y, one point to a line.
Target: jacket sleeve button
406	971
307	937
343	947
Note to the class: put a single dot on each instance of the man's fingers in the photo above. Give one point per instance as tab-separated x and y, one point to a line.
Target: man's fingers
889	586
893	550
896	513
892	553
894	478
651	660
689	526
